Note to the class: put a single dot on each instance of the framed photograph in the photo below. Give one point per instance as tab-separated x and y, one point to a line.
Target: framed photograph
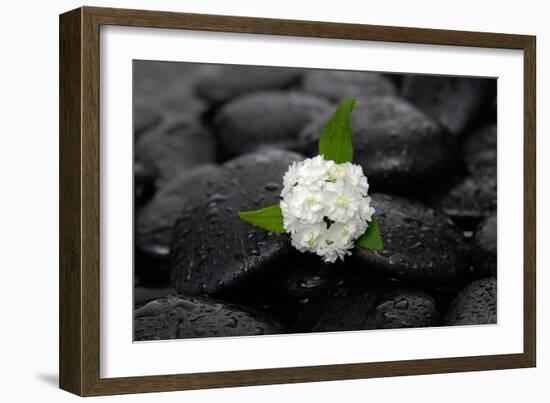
249	201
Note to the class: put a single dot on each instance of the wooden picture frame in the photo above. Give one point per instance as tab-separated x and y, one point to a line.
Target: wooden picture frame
79	201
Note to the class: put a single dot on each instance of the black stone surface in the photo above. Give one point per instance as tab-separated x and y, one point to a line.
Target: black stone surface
222	83
180	317
176	147
484	249
213	250
146	118
421	245
401	150
145	176
339	85
265	120
364	303
472	198
156	220
475	305
480	149
456	102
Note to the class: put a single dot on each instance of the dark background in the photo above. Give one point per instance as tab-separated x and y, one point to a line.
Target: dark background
211	140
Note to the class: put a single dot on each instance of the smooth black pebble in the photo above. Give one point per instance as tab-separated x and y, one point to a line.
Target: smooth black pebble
181	317
421	245
213	251
484	249
145	118
222	83
365	303
145	175
176	147
456	102
480	149
401	149
471	199
269	119
339	85
155	221
475	305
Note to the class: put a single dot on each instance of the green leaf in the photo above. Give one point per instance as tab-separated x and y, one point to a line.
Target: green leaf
371	239
269	218
335	142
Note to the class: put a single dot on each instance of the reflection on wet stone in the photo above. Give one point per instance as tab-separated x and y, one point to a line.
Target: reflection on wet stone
175	147
402	150
456	102
338	85
239	130
155	222
484	250
421	245
360	302
213	250
180	317
222	83
475	305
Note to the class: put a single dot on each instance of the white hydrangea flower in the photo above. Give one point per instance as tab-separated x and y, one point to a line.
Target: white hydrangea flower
325	206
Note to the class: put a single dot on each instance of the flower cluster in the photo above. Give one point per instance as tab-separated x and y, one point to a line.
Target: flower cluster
325	206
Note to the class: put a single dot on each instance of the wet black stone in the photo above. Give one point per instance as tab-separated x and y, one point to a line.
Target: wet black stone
307	277
145	118
222	83
471	199
176	147
156	220
213	251
480	149
401	150
168	87
264	120
144	294
180	317
145	175
338	85
151	269
421	245
365	303
261	173
475	305
456	102
304	277
484	250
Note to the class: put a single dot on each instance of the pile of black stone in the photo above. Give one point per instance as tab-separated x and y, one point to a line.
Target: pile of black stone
211	140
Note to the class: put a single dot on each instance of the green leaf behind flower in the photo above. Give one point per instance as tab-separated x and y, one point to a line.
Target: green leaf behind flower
371	239
269	218
335	143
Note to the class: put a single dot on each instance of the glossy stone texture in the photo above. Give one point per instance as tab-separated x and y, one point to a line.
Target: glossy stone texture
221	83
269	119
363	303
480	149
156	220
213	250
180	317
473	198
145	175
475	305
176	147
484	249
456	102
421	245
339	85
401	150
